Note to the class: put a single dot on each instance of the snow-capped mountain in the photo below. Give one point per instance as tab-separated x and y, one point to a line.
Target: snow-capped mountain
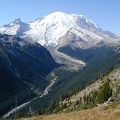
15	28
60	29
48	30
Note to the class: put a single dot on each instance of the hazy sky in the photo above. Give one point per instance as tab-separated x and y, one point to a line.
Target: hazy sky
106	13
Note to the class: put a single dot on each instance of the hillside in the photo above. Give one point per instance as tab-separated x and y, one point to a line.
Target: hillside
110	112
70	83
95	94
23	68
89	103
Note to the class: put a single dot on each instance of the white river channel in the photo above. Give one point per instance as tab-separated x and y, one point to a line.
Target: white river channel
46	91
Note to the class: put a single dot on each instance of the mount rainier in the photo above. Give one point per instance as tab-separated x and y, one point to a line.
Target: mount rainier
60	29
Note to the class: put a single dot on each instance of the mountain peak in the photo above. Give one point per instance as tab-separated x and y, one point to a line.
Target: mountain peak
49	29
57	13
57	16
14	27
17	20
72	19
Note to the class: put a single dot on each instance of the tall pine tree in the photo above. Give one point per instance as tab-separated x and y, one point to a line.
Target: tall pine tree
104	93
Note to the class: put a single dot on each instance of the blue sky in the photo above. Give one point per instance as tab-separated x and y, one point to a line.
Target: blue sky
106	13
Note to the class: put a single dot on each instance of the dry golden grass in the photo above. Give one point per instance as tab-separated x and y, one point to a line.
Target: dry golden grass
110	112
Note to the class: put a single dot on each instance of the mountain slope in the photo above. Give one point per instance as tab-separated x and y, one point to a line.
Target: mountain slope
10	88
72	106
88	97
69	82
110	112
24	66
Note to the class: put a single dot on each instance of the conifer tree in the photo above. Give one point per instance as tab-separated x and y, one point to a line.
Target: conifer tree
104	93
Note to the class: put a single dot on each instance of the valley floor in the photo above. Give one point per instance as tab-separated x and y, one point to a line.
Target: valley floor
110	112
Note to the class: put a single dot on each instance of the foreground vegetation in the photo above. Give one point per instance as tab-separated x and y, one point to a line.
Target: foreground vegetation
109	112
